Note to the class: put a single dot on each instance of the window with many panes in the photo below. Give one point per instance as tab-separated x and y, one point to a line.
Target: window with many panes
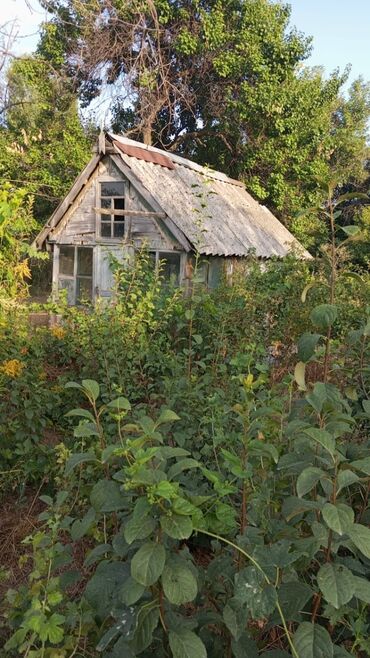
112	197
170	265
76	273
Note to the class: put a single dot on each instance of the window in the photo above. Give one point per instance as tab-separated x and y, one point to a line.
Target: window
76	273
170	265
112	197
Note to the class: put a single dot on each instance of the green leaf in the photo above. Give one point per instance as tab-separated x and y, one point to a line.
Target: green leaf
362	465
131	591
167	416
119	404
147	621
91	388
351	229
179	583
80	528
338	517
106	496
366	406
102	592
322	437
182	465
324	315
360	536
345	479
234	616
308	479
177	526
185	644
81	413
78	458
312	641
245	647
125	621
138	528
361	589
148	563
335	582
293	596
351	195
251	588
307	345
299	375
85	429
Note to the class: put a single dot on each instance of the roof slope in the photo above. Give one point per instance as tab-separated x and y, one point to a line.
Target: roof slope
215	213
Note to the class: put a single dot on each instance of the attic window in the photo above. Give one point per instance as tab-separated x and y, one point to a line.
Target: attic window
112	197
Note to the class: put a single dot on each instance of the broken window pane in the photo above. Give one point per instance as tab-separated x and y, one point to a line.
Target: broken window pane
66	260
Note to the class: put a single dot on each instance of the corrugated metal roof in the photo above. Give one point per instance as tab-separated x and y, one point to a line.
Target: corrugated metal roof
215	213
145	154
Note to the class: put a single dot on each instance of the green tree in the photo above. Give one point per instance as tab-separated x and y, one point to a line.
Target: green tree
44	145
223	82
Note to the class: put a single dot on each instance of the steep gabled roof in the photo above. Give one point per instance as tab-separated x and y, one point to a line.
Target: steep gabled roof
214	213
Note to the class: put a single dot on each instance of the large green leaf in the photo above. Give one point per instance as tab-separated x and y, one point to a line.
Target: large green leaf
148	563
312	641
307	345
185	644
324	315
345	479
137	528
321	437
147	621
293	597
179	583
339	517
78	458
251	588
360	536
92	388
177	526
308	479
80	527
336	584
182	465
106	496
362	465
102	590
361	589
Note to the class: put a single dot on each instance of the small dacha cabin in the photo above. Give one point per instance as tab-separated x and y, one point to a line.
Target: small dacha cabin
131	194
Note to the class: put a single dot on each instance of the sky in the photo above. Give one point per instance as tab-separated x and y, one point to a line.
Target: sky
340	30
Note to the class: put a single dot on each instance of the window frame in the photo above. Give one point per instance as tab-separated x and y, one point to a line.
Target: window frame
170	252
75	277
113	220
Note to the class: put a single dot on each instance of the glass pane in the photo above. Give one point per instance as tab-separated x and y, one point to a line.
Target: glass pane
112	189
84	261
170	267
66	260
119	204
119	229
106	203
68	285
105	229
84	290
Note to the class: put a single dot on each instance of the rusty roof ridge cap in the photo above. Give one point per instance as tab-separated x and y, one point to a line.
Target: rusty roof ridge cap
178	159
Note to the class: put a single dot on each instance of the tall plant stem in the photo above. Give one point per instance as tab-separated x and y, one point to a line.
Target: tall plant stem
332	281
258	566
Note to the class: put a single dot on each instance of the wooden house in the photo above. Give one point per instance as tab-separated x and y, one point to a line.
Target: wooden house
130	194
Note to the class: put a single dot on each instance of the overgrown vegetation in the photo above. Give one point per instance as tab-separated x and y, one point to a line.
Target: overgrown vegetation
205	485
